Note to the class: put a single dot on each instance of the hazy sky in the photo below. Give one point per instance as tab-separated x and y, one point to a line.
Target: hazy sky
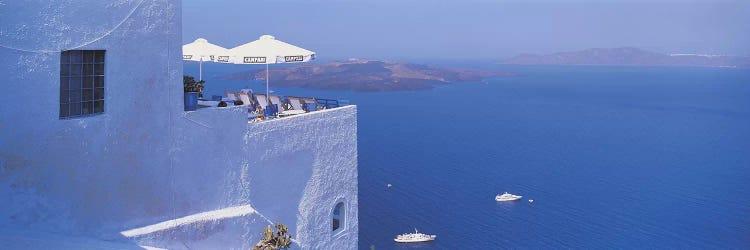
486	29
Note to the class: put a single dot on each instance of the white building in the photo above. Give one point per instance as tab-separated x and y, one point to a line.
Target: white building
95	147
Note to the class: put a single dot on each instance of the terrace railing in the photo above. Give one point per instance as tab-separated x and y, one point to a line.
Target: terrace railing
329	103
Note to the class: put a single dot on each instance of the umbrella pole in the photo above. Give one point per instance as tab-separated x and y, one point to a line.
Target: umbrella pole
268	97
200	74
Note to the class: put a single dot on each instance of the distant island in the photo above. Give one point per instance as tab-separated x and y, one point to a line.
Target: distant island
629	57
366	75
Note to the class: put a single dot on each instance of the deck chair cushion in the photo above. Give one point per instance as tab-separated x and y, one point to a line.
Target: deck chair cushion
296	104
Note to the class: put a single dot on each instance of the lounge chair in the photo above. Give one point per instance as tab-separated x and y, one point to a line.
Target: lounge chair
283	109
311	104
262	105
244	98
231	97
260	101
274	99
271	111
253	112
295	103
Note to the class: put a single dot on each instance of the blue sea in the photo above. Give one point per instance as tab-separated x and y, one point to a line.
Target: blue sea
614	157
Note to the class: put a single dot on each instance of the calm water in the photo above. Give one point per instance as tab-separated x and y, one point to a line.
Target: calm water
614	157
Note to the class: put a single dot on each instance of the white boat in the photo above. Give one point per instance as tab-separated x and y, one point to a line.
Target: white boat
414	237
507	197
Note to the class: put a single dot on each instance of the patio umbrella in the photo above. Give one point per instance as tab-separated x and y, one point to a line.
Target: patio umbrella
202	51
267	50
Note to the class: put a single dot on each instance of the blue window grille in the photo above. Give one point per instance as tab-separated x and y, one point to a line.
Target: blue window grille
81	83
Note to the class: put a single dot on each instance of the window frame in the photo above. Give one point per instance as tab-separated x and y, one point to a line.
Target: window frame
84	90
341	217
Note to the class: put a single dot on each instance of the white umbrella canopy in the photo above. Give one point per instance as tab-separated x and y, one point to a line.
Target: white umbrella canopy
267	50
202	51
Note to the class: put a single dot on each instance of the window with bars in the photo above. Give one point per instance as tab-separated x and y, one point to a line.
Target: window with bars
81	83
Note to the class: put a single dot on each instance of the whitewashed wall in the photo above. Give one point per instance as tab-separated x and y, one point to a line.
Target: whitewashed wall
292	170
144	160
325	141
88	175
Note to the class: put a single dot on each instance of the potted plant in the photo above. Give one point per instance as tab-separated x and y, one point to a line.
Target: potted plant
281	239
192	90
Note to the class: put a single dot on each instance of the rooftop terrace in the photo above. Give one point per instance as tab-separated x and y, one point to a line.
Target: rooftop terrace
263	108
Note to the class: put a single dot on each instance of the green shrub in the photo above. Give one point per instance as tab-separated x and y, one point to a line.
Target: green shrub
274	241
190	85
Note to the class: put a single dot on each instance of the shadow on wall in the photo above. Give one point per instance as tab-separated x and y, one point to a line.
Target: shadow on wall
275	188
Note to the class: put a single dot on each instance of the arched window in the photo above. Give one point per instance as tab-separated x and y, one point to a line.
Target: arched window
339	215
